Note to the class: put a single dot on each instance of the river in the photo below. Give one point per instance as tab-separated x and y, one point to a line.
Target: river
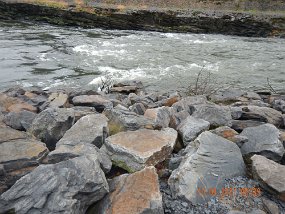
57	57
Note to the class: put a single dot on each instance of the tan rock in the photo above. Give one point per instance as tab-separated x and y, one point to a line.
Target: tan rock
58	100
160	116
270	174
133	150
270	206
170	101
8	134
136	193
18	107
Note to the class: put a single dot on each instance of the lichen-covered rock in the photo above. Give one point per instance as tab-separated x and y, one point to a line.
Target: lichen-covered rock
18	157
264	140
67	187
136	193
125	120
134	150
92	128
97	101
21	121
51	124
216	115
160	116
270	174
211	160
190	128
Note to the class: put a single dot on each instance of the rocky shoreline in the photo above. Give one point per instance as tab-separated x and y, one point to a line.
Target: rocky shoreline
81	151
195	21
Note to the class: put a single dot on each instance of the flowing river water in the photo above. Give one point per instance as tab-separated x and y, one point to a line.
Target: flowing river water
57	57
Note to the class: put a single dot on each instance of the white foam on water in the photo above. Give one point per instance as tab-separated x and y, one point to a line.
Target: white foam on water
94	51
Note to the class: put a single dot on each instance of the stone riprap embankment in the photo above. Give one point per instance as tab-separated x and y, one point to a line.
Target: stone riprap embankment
78	151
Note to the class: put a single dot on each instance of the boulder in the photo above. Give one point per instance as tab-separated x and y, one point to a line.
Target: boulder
92	128
125	120
240	125
81	111
97	101
216	115
227	96
169	101
160	116
8	134
51	124
236	112
58	100
190	128
279	105
140	191
263	114
19	157
252	95
124	89
270	206
67	187
138	108
211	160
270	174
187	103
134	150
264	140
177	118
65	152
14	104
21	121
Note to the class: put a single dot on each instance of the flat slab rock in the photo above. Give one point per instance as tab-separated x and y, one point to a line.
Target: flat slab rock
136	193
270	174
211	160
134	150
97	101
67	187
264	140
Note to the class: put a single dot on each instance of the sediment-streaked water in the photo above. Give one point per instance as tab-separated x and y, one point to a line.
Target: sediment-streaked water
49	56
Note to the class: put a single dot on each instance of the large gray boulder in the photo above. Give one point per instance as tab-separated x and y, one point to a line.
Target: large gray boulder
92	128
190	128
211	160
177	118
264	140
17	158
51	124
187	103
65	152
21	121
67	187
279	105
125	120
97	101
263	114
227	96
216	115
134	150
270	174
139	190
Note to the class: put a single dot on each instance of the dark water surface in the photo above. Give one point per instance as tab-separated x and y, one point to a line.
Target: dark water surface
49	56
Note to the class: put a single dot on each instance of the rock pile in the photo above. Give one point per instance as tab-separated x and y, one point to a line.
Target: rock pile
135	152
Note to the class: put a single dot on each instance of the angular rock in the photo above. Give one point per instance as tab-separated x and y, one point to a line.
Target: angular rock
252	95
279	105
97	101
270	206
67	187
92	128
81	111
134	150
139	190
51	124
236	112
124	120
8	134
240	125
227	96
262	114
177	118
160	116
190	128
138	108
58	100
19	157
124	89
66	152
173	98
21	121
18	107
264	140
270	174
187	103
207	165
216	115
